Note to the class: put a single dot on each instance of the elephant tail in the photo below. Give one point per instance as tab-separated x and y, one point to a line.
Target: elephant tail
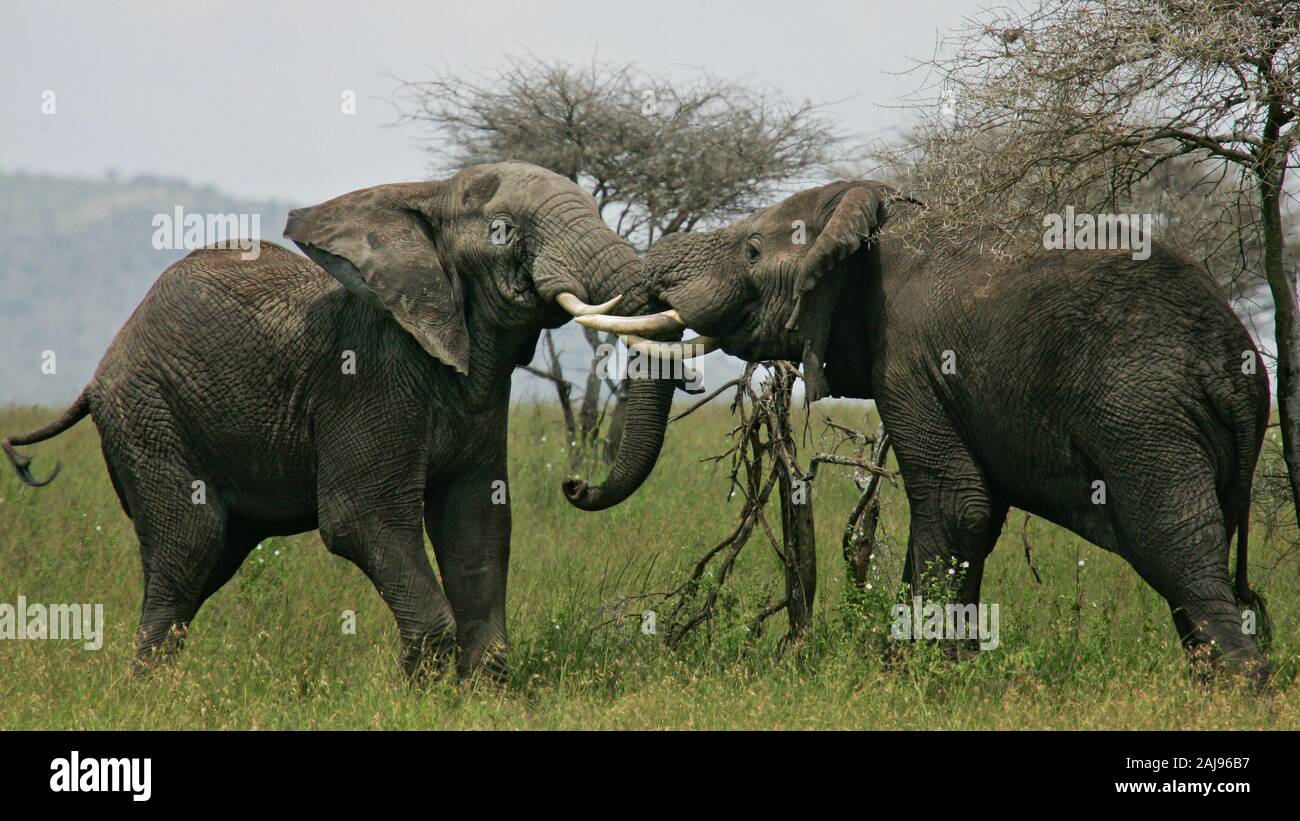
74	414
1250	428
1248	597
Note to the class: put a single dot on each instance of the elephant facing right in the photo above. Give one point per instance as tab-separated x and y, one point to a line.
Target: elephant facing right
1031	383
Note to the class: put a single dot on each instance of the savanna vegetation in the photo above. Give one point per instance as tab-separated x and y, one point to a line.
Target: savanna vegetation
1090	646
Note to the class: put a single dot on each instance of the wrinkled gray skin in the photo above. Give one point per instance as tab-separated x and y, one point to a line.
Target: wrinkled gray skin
1071	367
231	373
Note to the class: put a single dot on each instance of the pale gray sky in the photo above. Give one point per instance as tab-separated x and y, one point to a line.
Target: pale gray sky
246	95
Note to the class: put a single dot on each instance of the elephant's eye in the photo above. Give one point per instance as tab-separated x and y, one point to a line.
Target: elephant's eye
501	231
753	251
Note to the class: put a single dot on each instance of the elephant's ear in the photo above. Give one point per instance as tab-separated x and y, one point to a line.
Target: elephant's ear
852	213
382	244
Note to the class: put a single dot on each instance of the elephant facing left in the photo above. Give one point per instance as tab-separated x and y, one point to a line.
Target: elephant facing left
363	392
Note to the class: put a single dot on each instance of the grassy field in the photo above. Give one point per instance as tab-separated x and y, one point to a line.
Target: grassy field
1090	647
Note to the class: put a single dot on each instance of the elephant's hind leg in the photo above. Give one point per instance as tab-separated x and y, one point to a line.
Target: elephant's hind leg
1175	538
241	538
182	532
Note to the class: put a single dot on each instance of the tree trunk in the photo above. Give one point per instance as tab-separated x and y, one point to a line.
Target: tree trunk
798	537
617	422
1285	329
588	415
859	543
800	541
562	391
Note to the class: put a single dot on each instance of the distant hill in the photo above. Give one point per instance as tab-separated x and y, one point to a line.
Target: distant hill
77	255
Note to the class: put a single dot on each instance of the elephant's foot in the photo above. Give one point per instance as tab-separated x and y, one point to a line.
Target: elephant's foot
1212	666
158	645
1257	673
1218	652
426	657
485	662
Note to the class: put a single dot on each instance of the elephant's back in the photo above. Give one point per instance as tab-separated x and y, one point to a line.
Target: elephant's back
219	356
222	280
1071	359
214	296
1098	324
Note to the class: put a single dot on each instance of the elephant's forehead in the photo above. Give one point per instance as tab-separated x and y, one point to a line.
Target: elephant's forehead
521	169
801	206
521	180
812	206
517	175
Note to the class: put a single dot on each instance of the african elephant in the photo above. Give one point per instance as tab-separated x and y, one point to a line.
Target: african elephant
1119	398
365	397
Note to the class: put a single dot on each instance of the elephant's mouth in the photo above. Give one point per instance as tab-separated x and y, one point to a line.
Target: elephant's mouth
747	339
736	333
524	300
518	287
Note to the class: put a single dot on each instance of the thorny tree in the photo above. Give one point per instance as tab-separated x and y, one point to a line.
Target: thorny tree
859	541
764	458
658	154
1086	102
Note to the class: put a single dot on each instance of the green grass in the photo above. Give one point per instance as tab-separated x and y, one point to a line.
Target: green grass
1091	647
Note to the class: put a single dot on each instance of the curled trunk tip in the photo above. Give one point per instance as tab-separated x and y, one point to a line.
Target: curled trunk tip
582	495
648	403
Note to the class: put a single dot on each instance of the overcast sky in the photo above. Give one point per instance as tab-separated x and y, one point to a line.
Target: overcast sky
246	95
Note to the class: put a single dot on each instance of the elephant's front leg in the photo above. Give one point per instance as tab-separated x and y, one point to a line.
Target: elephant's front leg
955	518
468	520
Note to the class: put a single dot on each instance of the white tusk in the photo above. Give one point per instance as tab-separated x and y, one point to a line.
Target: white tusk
577	307
662	322
686	349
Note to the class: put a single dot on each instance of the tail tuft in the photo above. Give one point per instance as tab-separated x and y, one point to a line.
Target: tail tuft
23	464
1248	598
1254	600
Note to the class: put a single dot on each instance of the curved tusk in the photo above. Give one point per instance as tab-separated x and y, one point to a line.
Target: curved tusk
686	349
577	307
662	322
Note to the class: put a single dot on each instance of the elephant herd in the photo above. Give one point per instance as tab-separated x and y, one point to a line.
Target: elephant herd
364	391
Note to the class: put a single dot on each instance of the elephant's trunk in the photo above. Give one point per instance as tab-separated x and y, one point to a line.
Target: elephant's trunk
648	403
613	270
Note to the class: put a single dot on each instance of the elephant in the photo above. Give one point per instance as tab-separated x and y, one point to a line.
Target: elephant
1119	398
362	391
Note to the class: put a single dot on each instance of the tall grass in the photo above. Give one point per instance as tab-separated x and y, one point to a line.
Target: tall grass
1090	647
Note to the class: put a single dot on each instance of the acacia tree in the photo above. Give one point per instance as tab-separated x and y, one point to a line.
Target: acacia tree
658	154
1088	102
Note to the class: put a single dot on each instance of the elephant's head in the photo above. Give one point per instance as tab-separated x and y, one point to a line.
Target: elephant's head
772	285
473	267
